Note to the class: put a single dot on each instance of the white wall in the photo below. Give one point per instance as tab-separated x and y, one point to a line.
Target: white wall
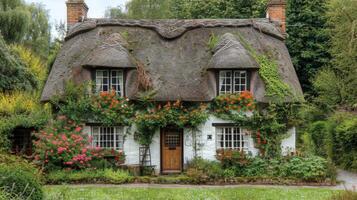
206	150
288	144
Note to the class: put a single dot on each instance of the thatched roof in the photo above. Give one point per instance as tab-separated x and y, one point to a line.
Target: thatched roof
229	53
175	54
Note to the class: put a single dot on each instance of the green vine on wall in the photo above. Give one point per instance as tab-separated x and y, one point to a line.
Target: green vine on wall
276	89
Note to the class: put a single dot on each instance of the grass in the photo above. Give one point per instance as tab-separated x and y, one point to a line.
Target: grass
103	193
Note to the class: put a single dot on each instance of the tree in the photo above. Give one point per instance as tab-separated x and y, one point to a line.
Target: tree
14	20
38	36
188	9
25	24
307	41
337	84
13	72
115	13
148	9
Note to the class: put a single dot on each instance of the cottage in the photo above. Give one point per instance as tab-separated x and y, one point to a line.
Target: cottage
183	64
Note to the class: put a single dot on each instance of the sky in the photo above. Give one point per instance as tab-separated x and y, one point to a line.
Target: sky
57	9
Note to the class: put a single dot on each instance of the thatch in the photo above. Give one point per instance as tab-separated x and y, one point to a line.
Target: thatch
174	53
229	53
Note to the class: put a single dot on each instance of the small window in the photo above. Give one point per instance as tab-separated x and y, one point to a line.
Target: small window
231	138
108	137
232	81
108	80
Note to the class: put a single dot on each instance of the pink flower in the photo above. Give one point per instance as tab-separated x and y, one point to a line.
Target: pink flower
69	163
84	151
60	150
78	129
64	137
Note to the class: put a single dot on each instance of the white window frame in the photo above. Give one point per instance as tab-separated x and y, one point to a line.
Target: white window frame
101	137
236	79
119	83
239	143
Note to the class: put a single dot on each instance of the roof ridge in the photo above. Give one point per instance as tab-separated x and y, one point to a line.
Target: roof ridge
173	28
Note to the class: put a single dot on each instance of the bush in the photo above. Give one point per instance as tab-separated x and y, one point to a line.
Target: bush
20	183
204	170
335	139
345	142
312	168
64	145
89	176
234	163
24	165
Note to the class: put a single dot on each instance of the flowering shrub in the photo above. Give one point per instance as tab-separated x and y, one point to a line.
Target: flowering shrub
231	157
228	103
63	144
169	114
110	108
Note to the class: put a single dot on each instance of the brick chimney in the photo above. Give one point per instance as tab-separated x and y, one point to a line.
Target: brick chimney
276	12
76	12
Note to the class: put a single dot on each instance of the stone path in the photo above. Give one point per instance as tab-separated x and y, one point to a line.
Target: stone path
348	180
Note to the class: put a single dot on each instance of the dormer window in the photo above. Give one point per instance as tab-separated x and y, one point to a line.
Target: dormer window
232	81
109	79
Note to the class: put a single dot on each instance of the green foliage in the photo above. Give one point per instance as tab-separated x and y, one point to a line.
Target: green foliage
38	35
19	178
335	139
14	75
14	20
106	108
20	109
63	144
159	116
345	141
276	90
330	89
89	176
148	9
309	168
213	41
319	132
201	9
24	165
33	62
25	24
204	170
337	85
115	13
308	41
236	164
187	9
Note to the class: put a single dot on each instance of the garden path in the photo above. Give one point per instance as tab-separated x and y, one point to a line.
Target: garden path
348	180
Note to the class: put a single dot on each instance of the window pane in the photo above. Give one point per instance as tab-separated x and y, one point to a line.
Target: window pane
117	81
108	137
240	81
101	80
230	138
225	82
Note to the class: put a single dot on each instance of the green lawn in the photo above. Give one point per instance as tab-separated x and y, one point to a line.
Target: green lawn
87	193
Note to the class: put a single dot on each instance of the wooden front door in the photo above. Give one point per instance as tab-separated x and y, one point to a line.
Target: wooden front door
171	150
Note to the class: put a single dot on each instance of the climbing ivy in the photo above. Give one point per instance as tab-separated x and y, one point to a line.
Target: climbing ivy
276	89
